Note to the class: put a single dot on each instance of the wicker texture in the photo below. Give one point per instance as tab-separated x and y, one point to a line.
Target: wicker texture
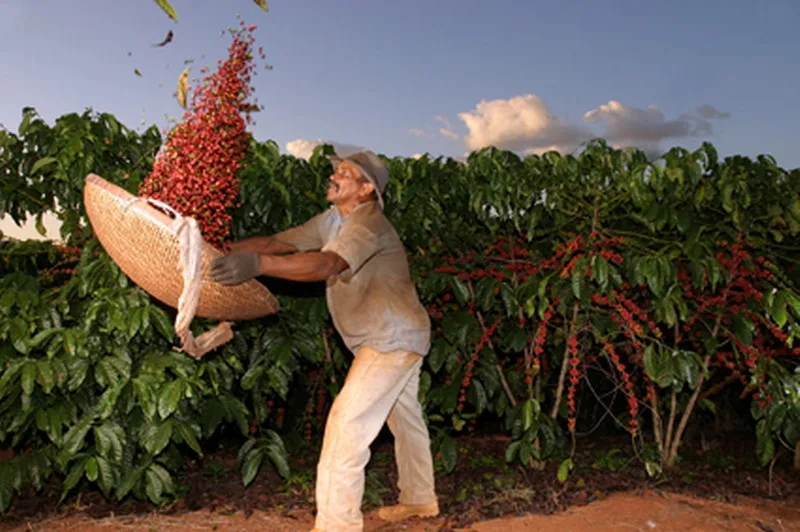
143	241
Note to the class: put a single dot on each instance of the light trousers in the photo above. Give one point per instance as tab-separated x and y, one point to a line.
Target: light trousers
379	388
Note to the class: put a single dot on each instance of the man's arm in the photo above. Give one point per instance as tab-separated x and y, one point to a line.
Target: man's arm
242	266
263	245
312	266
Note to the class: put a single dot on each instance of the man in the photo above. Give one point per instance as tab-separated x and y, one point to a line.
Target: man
376	310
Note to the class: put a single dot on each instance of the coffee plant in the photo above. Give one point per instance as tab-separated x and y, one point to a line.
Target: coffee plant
556	284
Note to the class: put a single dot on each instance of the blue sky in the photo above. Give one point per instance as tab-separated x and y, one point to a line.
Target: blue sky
442	76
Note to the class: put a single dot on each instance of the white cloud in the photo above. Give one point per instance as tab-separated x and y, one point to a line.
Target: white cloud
303	149
449	133
523	124
526	125
418	132
710	112
646	129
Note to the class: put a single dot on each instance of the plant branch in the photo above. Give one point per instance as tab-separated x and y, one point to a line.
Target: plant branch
564	363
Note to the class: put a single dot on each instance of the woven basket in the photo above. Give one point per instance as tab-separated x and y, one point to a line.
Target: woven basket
142	241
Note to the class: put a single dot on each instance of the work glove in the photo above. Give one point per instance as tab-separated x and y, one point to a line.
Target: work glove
235	268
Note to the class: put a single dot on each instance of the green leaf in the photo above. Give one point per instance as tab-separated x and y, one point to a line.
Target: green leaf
28	377
130	478
509	299
189	437
658	366
743	329
460	289
577	282
73	477
652	468
108	476
19	334
45	376
527	414
6	485
765	445
42	337
262	4
156	437
91	469
162	322
169	397
251	465
110	438
449	453
564	469
477	396
41	163
74	439
171	13
778	309
511	451
600	271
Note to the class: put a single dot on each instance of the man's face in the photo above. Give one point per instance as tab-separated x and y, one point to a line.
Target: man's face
347	184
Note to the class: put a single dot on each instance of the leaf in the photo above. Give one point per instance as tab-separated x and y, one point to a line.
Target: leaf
137	72
168	9
41	163
564	469
45	376
652	468
251	465
262	4
108	475
449	453
189	437
743	329
527	414
156	437
511	451
656	367
169	397
765	444
74	439
110	438
460	289
28	377
73	477
19	334
183	87
130	478
477	396
509	299
162	322
153	486
91	469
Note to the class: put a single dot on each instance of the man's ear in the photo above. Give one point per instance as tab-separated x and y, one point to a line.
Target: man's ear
367	188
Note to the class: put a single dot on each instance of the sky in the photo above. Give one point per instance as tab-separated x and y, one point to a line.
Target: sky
443	77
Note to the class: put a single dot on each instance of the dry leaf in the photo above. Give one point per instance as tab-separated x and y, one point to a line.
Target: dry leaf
183	87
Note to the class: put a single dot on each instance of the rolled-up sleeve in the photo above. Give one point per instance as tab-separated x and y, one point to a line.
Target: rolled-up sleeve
355	244
305	237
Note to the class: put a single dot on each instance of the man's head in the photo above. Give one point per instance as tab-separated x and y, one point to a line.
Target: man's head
357	178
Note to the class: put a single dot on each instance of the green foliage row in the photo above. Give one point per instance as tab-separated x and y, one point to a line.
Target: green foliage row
502	248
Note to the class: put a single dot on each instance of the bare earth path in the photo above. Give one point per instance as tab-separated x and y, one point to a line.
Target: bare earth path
647	511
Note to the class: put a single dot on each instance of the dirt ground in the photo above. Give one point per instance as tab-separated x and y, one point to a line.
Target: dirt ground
717	488
622	511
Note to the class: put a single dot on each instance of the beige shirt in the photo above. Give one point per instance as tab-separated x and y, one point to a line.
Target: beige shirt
373	303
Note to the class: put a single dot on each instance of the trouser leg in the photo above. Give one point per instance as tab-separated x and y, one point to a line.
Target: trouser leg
412	447
373	385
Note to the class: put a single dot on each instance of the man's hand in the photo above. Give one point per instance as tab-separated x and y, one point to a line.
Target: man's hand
235	268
